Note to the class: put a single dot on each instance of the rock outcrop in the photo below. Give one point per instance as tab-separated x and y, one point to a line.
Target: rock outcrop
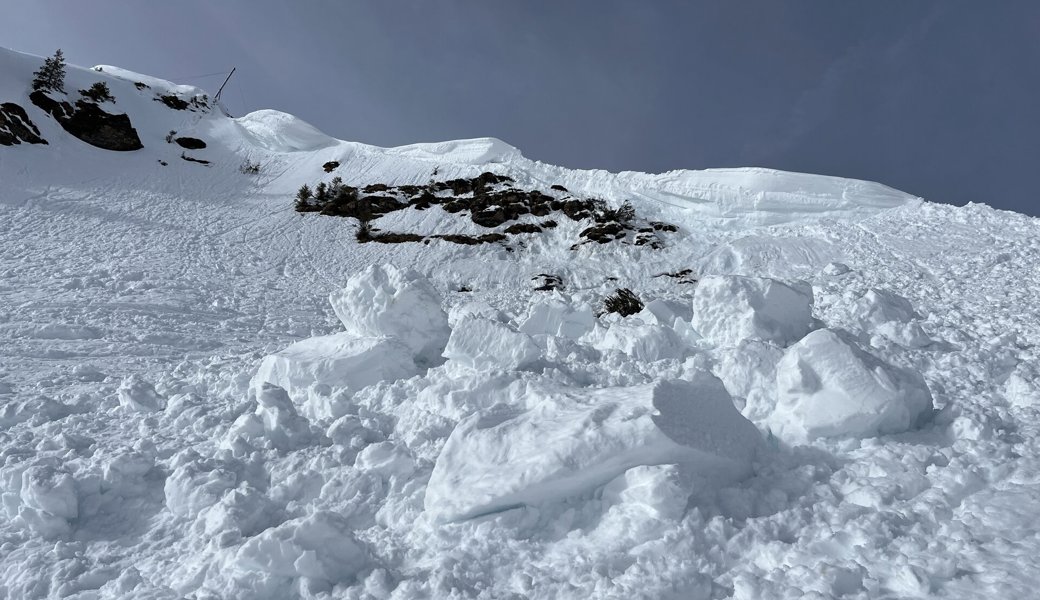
16	127
87	122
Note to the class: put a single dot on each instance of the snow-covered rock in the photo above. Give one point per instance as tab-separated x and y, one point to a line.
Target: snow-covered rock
385	301
568	442
827	387
340	360
729	309
485	344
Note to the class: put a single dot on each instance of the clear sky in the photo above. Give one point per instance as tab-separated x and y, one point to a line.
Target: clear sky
939	98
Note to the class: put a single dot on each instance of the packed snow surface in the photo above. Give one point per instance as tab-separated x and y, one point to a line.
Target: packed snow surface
831	390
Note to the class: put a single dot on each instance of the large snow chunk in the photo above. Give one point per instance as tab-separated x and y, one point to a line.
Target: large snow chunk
828	387
197	483
485	344
320	546
338	360
137	395
568	442
384	301
558	318
749	372
641	341
891	316
729	309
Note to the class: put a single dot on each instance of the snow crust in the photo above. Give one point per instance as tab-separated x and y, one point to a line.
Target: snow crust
185	414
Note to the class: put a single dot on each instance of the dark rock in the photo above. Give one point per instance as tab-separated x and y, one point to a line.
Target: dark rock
469	240
394	238
682	276
173	102
547	282
523	228
604	232
330	166
190	143
558	188
142	86
16	127
194	160
90	124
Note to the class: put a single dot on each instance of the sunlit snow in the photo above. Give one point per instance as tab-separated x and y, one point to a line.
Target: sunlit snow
205	394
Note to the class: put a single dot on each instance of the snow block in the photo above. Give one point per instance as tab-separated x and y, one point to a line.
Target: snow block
282	424
828	387
320	546
485	344
559	319
197	483
137	395
729	309
643	342
568	442
384	301
48	500
340	360
891	316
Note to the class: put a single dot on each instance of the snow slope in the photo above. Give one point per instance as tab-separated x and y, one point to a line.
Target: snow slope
848	406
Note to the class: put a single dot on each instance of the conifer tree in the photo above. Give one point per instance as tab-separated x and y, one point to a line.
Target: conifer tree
51	76
98	92
321	194
303	198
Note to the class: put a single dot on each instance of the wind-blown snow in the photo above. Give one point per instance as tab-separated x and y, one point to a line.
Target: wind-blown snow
204	394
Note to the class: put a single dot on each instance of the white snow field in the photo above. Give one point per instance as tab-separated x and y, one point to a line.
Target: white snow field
205	394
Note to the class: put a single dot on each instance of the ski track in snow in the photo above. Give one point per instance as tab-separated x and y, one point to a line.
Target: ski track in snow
138	459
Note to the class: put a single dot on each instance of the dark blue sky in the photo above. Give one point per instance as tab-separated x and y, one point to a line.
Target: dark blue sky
939	98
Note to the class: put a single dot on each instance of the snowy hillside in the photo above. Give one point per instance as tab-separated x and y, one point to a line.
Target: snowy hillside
826	387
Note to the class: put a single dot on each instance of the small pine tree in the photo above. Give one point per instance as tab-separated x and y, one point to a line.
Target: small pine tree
321	193
51	76
303	198
335	186
624	302
98	92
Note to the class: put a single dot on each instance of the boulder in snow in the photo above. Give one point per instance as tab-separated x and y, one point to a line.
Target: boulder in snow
384	301
828	387
569	442
730	309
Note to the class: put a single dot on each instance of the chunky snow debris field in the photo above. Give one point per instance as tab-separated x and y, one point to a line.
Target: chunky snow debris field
829	388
